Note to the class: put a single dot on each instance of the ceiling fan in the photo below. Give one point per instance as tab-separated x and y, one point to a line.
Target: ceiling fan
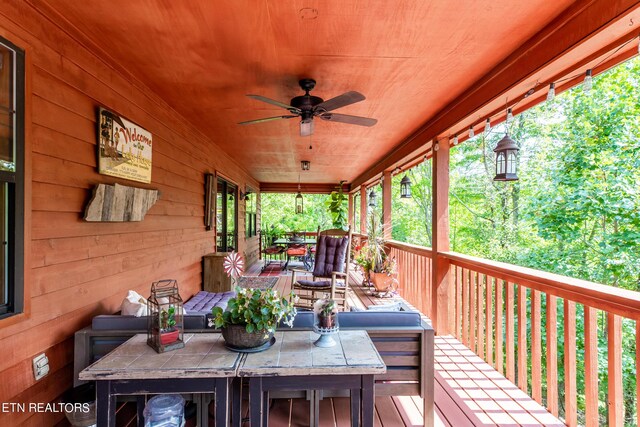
307	107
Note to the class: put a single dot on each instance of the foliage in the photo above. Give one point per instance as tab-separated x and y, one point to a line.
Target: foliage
336	203
325	307
277	214
168	319
258	310
373	257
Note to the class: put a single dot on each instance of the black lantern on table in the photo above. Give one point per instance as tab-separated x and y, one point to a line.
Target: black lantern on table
405	187
506	160
165	327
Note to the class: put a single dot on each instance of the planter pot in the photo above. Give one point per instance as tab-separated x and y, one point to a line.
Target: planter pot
169	337
327	321
237	336
382	282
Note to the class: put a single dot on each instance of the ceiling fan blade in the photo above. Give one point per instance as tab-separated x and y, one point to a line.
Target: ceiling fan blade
345	118
266	119
276	103
345	99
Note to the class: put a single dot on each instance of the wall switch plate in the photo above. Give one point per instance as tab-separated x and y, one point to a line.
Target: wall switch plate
40	366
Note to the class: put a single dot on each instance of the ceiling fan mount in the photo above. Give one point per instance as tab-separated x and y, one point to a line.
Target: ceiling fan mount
308	106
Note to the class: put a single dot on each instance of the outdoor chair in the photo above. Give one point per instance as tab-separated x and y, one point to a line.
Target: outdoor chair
270	252
332	259
297	250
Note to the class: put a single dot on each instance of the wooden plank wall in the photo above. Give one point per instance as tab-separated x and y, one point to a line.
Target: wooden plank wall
75	269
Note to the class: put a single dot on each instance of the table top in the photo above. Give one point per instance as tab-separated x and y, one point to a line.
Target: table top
203	356
294	354
306	241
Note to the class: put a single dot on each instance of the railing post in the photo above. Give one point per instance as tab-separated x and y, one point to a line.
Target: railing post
386	205
441	295
363	209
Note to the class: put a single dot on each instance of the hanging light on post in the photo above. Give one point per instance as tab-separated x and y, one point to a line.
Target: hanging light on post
487	126
299	200
506	160
588	81
552	92
372	198
405	187
471	132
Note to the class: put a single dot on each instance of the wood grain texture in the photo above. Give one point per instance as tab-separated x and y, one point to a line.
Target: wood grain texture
76	269
591	366
119	203
614	364
570	390
552	354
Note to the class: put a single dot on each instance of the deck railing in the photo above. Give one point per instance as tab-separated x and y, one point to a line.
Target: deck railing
508	315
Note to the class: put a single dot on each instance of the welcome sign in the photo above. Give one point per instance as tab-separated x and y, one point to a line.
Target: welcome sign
124	148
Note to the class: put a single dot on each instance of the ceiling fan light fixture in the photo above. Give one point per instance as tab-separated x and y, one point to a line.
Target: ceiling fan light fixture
306	127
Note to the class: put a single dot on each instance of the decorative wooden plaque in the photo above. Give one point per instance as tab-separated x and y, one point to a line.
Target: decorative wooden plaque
119	203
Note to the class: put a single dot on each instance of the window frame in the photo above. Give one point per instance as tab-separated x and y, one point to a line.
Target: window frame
16	190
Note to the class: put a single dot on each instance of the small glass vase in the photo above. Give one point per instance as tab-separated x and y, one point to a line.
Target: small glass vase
325	322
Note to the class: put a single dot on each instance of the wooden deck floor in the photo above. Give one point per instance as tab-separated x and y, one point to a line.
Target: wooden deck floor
468	392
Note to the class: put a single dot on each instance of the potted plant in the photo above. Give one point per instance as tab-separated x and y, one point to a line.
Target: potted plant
326	310
379	268
168	331
252	316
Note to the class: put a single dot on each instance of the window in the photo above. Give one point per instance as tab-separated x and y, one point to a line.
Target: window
226	216
250	214
11	178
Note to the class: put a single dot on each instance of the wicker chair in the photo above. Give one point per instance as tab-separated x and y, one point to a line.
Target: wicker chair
332	259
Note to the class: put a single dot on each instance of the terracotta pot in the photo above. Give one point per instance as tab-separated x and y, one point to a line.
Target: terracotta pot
382	282
169	337
237	336
327	321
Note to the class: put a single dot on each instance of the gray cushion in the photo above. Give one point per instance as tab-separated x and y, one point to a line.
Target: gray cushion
108	322
364	319
330	255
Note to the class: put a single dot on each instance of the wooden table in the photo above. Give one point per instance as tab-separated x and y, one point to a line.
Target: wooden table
294	363
203	367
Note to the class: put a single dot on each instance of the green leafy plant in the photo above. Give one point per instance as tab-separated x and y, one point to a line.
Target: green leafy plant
327	307
372	256
259	310
337	207
168	319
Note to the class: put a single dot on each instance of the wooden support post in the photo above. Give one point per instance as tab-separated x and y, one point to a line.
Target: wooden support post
441	300
350	210
386	205
363	209
614	363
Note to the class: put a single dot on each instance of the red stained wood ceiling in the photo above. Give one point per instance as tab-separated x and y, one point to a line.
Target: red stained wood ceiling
410	58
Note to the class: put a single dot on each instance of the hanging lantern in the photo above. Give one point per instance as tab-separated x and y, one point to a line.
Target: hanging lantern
372	199
506	157
405	187
299	203
165	329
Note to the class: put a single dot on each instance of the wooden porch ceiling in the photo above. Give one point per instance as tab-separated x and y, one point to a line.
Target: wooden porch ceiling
411	59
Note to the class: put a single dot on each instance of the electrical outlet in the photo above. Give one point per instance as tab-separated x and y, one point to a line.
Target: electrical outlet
40	366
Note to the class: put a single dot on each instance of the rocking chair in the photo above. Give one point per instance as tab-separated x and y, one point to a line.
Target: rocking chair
332	259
